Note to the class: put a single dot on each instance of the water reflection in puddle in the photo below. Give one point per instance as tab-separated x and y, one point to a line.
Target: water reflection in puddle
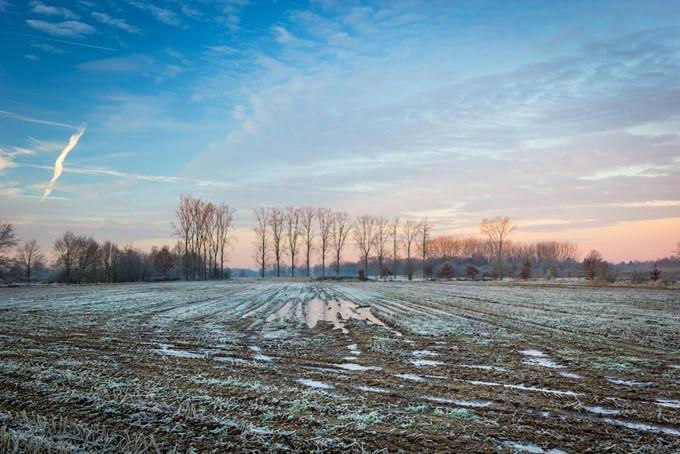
338	313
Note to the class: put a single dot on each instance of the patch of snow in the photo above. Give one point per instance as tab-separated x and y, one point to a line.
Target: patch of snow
262	358
570	375
538	358
483	367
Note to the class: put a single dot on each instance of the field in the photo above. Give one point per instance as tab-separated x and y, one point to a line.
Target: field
339	366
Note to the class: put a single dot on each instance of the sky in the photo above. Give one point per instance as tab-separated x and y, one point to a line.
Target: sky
564	116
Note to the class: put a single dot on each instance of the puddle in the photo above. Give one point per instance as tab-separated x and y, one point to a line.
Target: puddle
525	388
602	411
425	362
517	446
356	367
538	358
645	427
424	353
314	383
372	389
621	381
289	310
668	403
337	313
167	350
460	403
411	377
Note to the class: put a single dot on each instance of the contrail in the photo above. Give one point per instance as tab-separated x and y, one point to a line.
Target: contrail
59	163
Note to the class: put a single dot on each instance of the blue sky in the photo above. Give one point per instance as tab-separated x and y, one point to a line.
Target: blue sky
562	115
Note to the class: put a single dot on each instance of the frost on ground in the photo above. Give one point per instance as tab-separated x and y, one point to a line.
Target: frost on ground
338	366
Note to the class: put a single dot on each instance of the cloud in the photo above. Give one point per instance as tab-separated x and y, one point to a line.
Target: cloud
163	15
104	18
133	63
4	5
5	163
46	10
71	28
32	57
47	48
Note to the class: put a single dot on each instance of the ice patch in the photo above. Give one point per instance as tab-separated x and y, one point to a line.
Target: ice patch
314	383
526	388
570	375
411	377
356	367
168	350
424	353
668	403
530	448
483	367
602	411
425	362
643	426
460	403
228	359
538	358
621	381
372	389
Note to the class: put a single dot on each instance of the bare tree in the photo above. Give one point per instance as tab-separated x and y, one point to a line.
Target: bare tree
380	237
183	228
340	228
8	239
394	236
262	218
364	237
423	241
307	216
66	251
109	253
497	231
409	232
677	250
276	225
224	223
86	257
291	220
593	264
325	218
30	258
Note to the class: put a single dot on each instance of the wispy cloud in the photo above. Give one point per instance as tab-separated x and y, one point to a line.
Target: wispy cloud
59	163
47	10
48	48
131	63
62	41
70	28
104	18
20	117
163	15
